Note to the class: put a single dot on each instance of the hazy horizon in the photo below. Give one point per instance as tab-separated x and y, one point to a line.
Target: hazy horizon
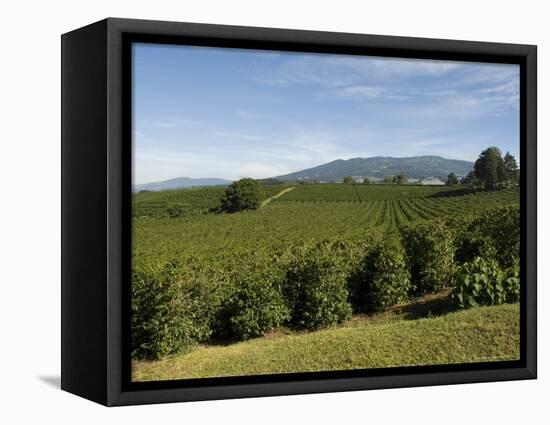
293	171
205	112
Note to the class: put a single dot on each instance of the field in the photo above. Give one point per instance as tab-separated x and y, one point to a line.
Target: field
298	215
225	272
194	201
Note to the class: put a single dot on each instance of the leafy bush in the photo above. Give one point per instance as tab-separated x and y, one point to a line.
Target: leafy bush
502	227
382	279
254	304
171	311
245	194
482	282
471	245
493	235
430	252
511	286
315	287
177	210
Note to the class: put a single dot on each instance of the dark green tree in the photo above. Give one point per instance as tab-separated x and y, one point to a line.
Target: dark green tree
469	179
366	180
400	179
490	168
244	194
511	167
451	179
349	180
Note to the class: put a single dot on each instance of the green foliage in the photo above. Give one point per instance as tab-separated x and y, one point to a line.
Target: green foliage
482	282
366	180
244	194
253	306
470	245
177	203
511	168
283	223
170	312
494	234
399	179
490	169
348	180
315	286
451	180
186	202
382	279
470	179
234	270
502	227
430	252
177	210
336	192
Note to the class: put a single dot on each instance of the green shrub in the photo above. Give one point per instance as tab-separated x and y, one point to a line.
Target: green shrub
482	282
471	245
244	194
177	210
382	279
502	227
315	286
172	310
430	251
511	286
253	305
493	235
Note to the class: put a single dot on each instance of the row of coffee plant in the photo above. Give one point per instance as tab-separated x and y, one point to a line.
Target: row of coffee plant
316	285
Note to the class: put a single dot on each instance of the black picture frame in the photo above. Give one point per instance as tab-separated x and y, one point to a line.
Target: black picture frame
96	224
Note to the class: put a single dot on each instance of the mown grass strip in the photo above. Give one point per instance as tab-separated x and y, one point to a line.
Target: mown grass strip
481	334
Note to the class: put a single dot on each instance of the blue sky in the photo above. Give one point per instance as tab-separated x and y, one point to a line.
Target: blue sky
232	113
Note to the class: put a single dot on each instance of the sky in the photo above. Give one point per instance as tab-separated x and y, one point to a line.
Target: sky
233	113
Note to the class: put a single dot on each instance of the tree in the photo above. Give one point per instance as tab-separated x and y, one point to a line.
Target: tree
349	180
490	168
451	179
400	179
366	180
469	179
389	179
511	167
244	194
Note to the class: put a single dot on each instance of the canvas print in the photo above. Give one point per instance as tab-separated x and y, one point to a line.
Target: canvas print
306	212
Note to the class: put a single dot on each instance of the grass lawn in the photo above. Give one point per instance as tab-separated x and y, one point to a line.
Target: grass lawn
387	340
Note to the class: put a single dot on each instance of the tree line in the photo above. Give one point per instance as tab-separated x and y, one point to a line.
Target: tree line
491	170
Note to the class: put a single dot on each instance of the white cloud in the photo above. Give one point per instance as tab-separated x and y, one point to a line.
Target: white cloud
359	91
175	122
340	70
237	136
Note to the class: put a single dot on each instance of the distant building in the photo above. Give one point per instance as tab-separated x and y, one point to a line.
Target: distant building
432	181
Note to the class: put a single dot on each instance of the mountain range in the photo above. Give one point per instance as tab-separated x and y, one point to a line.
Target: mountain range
378	167
181	183
415	167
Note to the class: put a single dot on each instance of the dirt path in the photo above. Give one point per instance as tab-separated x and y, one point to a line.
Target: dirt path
281	193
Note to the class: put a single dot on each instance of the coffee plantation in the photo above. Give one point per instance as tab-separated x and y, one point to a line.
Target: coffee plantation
310	258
